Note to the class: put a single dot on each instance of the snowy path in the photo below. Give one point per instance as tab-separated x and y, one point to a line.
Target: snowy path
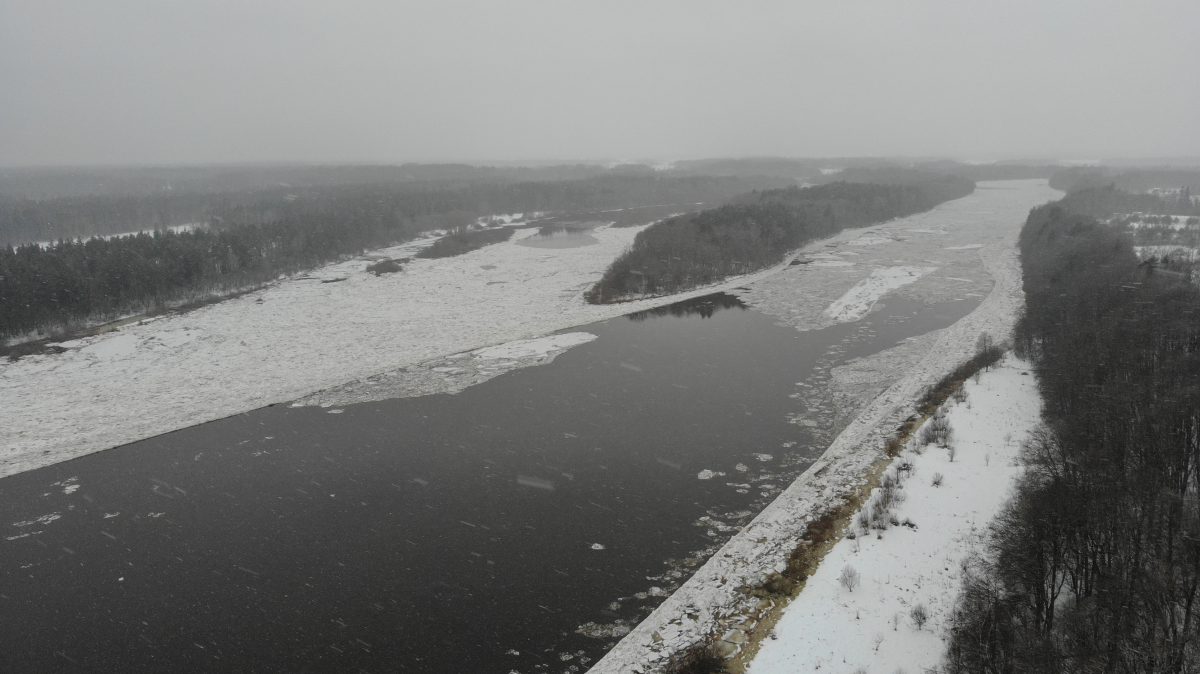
828	627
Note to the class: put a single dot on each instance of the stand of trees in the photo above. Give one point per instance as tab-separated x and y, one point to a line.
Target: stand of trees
1104	202
757	231
1136	180
415	205
1094	565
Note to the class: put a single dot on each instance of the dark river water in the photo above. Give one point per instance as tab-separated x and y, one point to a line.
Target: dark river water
449	533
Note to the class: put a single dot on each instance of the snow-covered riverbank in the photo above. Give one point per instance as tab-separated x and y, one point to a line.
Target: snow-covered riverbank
830	627
969	240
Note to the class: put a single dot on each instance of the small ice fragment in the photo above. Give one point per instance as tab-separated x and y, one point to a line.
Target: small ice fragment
763	457
536	483
108	515
741	467
597	546
336	411
707	474
121	579
70	489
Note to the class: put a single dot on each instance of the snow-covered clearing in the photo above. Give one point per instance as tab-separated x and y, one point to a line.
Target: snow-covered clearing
831	628
861	297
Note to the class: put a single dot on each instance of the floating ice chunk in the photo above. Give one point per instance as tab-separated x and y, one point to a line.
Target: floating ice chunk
527	348
707	474
597	546
336	411
44	519
763	457
871	241
741	468
862	296
536	483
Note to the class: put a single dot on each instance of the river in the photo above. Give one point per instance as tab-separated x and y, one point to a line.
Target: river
447	533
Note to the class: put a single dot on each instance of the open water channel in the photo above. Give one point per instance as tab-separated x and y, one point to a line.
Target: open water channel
448	533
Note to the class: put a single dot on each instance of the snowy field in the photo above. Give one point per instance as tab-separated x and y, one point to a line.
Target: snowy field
830	627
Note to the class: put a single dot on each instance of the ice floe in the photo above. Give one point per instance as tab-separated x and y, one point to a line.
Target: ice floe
860	298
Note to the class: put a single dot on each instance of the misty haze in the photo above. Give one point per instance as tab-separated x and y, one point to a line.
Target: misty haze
549	338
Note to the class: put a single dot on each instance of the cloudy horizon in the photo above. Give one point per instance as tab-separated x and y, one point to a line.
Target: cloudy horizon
366	82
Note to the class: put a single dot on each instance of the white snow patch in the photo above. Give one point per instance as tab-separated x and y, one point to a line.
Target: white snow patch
861	297
112	348
525	348
828	625
871	240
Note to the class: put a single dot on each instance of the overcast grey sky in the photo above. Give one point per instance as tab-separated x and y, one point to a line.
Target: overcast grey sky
232	81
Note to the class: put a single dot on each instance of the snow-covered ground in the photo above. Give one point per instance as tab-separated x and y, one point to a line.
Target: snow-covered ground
829	627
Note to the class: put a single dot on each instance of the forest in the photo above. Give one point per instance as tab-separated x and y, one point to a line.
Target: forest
1135	180
1106	201
1094	565
757	230
254	237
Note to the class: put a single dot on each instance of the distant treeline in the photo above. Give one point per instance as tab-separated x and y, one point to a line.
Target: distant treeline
259	236
52	183
1094	565
414	205
1104	202
757	230
1130	180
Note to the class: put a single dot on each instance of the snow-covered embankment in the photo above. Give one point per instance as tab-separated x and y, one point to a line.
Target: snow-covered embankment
908	576
714	601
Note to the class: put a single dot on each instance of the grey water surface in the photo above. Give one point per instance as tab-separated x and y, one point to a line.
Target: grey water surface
449	533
